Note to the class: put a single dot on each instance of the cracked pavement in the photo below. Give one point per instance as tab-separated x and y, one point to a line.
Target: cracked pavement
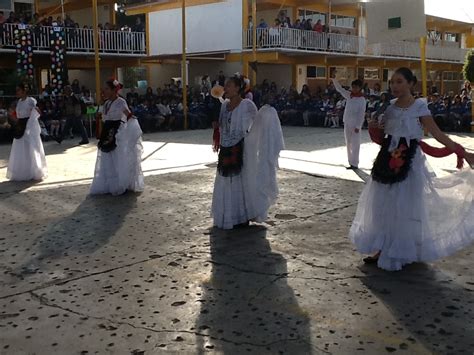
146	274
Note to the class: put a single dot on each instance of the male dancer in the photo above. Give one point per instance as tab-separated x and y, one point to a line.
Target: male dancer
354	115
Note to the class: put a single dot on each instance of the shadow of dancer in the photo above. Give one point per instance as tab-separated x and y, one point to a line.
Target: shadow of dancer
436	310
247	305
8	186
87	229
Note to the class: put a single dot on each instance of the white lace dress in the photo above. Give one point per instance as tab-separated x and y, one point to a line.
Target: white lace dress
248	195
120	170
27	159
420	219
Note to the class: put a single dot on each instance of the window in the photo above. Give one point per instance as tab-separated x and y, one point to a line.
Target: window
342	74
368	73
6	5
315	72
313	15
451	37
343	21
451	76
133	76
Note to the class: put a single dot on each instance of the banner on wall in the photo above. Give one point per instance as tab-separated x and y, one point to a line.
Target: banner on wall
24	53
58	59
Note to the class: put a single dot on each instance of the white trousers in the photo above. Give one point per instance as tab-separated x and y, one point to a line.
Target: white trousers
352	144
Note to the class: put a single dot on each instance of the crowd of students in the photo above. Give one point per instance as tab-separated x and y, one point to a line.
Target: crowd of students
162	109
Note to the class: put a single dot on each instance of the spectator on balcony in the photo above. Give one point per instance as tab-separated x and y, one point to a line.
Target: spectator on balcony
2	21
308	25
48	22
68	22
11	18
139	25
250	23
297	25
287	23
318	27
281	16
262	24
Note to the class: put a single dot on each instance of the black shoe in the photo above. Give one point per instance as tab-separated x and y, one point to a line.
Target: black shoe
242	225
83	142
371	260
58	139
352	167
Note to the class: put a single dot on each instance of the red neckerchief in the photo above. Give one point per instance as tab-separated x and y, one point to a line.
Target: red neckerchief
359	94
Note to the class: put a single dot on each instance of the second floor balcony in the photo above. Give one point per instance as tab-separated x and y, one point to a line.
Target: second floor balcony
288	39
77	40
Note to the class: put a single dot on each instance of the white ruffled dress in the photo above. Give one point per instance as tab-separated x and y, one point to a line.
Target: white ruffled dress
249	195
27	159
120	170
422	218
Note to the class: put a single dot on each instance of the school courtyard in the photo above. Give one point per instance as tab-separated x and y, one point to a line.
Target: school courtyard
146	273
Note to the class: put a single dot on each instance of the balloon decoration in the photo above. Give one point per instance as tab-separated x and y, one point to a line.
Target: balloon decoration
24	52
58	59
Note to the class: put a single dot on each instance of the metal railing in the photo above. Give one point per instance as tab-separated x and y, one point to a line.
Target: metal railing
77	40
304	40
294	39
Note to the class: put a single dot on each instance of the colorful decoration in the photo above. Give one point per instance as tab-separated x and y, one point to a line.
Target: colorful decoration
24	53
58	59
397	159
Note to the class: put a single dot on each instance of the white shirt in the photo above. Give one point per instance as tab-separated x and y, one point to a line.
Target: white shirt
164	109
235	125
354	114
114	110
24	107
405	122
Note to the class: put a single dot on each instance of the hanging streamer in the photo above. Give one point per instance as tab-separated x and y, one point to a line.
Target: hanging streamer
58	59
24	53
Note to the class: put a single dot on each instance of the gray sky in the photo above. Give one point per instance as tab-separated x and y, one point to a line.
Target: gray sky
460	10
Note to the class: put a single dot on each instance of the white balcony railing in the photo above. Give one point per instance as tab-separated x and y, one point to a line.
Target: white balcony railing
293	39
305	40
79	40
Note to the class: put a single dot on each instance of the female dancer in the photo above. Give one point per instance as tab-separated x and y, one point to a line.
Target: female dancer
248	156
404	215
27	160
118	165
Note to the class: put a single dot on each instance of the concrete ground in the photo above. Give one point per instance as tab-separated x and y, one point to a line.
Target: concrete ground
146	273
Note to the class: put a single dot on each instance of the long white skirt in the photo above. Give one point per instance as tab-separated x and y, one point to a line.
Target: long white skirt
420	219
120	170
27	159
234	200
